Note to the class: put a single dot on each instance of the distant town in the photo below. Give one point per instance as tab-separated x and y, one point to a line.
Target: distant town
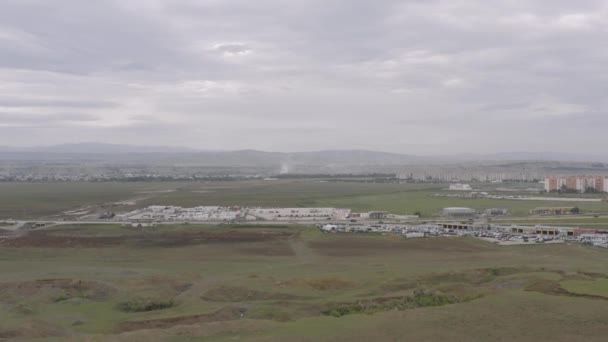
577	184
454	221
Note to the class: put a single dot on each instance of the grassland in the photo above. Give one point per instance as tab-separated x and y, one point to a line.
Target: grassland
281	282
597	287
277	283
29	200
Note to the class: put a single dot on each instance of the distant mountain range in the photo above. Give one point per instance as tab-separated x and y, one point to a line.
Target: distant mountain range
96	148
253	157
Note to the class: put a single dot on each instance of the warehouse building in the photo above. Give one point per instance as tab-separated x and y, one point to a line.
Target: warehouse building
553	211
496	212
460	187
458	212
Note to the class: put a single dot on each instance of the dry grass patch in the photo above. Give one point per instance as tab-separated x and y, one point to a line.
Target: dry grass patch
553	288
142	304
320	284
67	288
157	281
225	314
241	294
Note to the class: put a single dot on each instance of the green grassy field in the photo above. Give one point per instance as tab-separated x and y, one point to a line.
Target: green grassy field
277	283
29	200
590	286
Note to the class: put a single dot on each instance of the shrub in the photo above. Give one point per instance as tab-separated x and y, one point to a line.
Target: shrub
140	304
421	298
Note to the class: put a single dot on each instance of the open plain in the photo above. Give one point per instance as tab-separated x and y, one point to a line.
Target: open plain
68	199
272	282
268	283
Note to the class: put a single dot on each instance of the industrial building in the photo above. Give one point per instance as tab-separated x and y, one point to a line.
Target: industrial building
291	214
500	234
553	211
227	214
470	174
179	214
459	212
496	212
460	187
378	215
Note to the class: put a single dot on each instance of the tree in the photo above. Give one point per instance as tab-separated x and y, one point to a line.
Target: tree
566	190
575	210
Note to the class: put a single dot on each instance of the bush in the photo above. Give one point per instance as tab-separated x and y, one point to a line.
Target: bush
139	304
421	298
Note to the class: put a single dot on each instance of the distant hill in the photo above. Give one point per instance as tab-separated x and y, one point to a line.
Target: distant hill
329	158
533	156
223	158
97	148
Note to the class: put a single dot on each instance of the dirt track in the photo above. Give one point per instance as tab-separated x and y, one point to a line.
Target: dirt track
225	314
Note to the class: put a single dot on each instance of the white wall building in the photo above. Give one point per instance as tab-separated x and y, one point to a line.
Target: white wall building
460	187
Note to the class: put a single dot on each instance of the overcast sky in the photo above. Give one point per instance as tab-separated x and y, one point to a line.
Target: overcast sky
413	76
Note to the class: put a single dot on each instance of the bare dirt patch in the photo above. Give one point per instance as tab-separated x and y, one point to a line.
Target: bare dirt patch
70	288
241	294
225	314
32	330
320	284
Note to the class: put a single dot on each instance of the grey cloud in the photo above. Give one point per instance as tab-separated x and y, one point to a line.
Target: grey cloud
26	119
248	74
232	48
29	102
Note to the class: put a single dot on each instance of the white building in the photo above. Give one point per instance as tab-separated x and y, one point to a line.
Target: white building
459	212
460	187
301	214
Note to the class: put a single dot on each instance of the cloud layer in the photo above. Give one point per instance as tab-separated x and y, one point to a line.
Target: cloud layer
437	76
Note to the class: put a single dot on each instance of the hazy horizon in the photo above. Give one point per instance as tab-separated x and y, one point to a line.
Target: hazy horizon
124	149
411	77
